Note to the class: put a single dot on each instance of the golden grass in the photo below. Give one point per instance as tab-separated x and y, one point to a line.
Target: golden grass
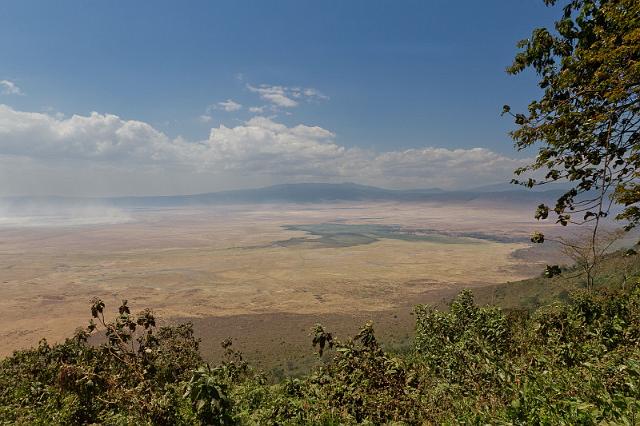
213	262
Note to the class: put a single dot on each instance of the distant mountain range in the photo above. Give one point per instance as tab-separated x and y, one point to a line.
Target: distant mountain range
309	193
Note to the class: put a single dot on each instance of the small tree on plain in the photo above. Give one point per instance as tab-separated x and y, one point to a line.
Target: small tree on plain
587	250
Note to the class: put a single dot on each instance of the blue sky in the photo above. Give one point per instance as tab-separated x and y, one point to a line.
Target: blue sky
385	77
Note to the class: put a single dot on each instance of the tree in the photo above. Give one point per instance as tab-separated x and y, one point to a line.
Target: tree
588	253
629	258
586	124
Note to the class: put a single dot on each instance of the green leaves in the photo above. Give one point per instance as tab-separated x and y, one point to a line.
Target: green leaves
366	336
97	306
551	271
321	338
542	212
146	319
362	382
207	393
586	124
568	363
537	237
467	335
124	309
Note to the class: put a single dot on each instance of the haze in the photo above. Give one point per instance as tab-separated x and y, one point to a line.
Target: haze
245	159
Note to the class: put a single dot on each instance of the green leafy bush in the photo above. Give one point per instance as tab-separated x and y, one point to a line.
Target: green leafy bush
567	363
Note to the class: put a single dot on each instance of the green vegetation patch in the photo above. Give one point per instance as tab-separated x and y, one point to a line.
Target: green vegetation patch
573	362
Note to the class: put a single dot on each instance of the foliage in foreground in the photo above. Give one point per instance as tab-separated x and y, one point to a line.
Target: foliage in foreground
573	363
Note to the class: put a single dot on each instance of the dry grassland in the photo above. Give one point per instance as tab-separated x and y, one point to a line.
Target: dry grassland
223	263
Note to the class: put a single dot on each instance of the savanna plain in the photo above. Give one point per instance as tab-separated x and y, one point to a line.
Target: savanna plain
261	274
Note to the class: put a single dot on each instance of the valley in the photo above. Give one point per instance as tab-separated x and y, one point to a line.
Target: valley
302	261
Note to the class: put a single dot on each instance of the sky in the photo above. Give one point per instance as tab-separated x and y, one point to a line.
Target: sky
171	97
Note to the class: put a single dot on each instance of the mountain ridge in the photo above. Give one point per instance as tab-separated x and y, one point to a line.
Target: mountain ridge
301	193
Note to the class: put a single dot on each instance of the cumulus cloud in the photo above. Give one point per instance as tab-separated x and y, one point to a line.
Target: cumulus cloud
312	94
103	137
258	110
229	105
257	151
9	88
286	97
276	95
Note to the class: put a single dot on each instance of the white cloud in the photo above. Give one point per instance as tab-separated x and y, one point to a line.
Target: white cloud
311	93
255	152
9	88
229	105
258	110
286	97
276	95
102	137
52	111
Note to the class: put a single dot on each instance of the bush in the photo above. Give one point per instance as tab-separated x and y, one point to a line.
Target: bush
568	363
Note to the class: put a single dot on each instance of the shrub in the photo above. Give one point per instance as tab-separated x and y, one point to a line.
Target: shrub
576	362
